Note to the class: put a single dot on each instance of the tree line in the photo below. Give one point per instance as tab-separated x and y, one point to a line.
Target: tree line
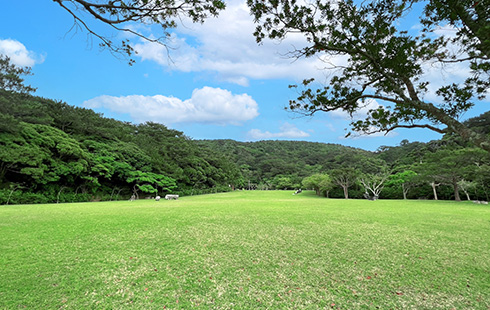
51	151
448	168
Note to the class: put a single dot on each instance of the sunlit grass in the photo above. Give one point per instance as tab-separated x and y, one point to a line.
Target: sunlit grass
246	250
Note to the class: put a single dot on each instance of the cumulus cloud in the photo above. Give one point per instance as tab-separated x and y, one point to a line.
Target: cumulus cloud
225	47
207	105
18	53
288	131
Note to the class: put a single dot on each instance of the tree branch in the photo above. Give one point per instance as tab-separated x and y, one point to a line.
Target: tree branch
433	128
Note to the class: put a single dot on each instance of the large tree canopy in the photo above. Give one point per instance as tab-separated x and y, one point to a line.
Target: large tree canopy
384	62
121	15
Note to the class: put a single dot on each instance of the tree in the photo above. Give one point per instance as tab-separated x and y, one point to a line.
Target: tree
149	182
385	62
483	178
404	179
469	17
11	76
450	167
121	15
321	183
374	183
283	182
466	186
345	178
39	155
480	123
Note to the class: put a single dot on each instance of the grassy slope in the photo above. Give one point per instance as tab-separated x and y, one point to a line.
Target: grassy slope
246	250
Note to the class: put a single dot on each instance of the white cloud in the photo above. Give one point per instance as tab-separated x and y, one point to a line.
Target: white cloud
286	131
206	105
361	113
18	53
225	46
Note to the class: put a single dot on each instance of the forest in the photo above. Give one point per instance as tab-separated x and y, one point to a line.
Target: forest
53	152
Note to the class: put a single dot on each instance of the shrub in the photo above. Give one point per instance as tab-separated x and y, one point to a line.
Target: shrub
20	197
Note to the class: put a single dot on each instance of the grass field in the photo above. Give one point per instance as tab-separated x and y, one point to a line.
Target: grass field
246	250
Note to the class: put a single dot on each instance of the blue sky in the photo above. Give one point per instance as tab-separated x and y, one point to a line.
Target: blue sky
217	84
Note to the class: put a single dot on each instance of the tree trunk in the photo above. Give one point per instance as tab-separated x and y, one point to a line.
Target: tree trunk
404	191
346	191
453	125
135	192
456	191
3	171
59	193
10	195
433	184
113	190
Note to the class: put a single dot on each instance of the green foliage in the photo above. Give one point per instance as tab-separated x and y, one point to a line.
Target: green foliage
405	154
66	150
284	182
264	160
10	77
480	124
345	178
450	166
469	18
321	183
43	154
12	196
148	182
385	63
403	179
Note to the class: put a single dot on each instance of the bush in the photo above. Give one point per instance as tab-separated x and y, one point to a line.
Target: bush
20	197
391	192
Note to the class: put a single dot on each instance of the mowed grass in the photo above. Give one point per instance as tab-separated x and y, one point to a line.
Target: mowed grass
246	250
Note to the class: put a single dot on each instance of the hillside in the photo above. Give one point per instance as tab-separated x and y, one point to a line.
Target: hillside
263	161
51	151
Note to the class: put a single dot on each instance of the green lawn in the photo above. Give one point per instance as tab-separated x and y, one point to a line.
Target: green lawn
246	250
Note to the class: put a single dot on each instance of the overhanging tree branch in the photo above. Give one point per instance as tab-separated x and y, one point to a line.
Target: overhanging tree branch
385	63
119	16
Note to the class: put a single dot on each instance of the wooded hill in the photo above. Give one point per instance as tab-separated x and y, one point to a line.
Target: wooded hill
53	152
267	164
